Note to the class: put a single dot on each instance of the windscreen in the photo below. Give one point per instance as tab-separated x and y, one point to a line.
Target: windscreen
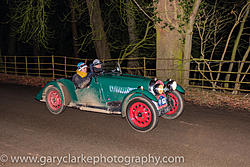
111	67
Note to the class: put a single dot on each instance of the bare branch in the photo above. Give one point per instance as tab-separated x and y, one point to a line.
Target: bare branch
143	11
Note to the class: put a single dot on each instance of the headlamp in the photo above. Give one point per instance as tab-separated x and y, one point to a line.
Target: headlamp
174	85
171	85
158	89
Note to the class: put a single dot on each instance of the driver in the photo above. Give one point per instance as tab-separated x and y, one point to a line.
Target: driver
81	79
97	66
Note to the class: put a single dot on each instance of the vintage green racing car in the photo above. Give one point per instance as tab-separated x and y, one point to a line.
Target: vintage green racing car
141	100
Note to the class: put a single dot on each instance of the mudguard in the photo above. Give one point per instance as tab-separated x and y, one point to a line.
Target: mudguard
66	83
135	93
70	87
54	83
178	88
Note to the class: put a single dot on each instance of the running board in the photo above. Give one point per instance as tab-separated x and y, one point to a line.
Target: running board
97	109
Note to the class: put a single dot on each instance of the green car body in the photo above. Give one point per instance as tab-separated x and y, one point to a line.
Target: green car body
106	93
106	88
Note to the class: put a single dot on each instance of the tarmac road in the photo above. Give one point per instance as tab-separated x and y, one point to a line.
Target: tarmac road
200	137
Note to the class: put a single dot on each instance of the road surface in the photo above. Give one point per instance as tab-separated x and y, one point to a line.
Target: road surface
200	137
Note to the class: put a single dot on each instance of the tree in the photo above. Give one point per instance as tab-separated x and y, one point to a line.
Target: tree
241	18
174	26
1	62
130	34
133	37
211	31
11	35
72	5
98	34
30	18
216	25
237	83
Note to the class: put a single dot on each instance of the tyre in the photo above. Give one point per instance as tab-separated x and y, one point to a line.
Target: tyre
54	101
141	114
176	103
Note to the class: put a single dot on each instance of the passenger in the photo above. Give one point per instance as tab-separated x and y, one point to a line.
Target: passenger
82	78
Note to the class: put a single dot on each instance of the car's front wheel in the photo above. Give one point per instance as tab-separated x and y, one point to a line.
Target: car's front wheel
141	114
54	100
176	104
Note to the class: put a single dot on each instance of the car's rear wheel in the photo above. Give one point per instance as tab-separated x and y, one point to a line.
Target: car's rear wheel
176	104
141	114
54	100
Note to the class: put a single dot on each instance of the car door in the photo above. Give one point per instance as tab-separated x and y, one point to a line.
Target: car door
91	95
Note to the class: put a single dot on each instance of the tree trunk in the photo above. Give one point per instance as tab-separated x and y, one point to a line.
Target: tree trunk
132	38
188	42
11	48
1	62
98	33
236	43
173	56
1	44
11	43
237	84
74	29
228	40
169	47
36	52
169	52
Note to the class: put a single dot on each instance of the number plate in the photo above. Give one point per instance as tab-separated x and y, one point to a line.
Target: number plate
162	101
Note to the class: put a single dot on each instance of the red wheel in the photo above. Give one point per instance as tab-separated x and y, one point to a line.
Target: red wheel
141	114
176	104
54	100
